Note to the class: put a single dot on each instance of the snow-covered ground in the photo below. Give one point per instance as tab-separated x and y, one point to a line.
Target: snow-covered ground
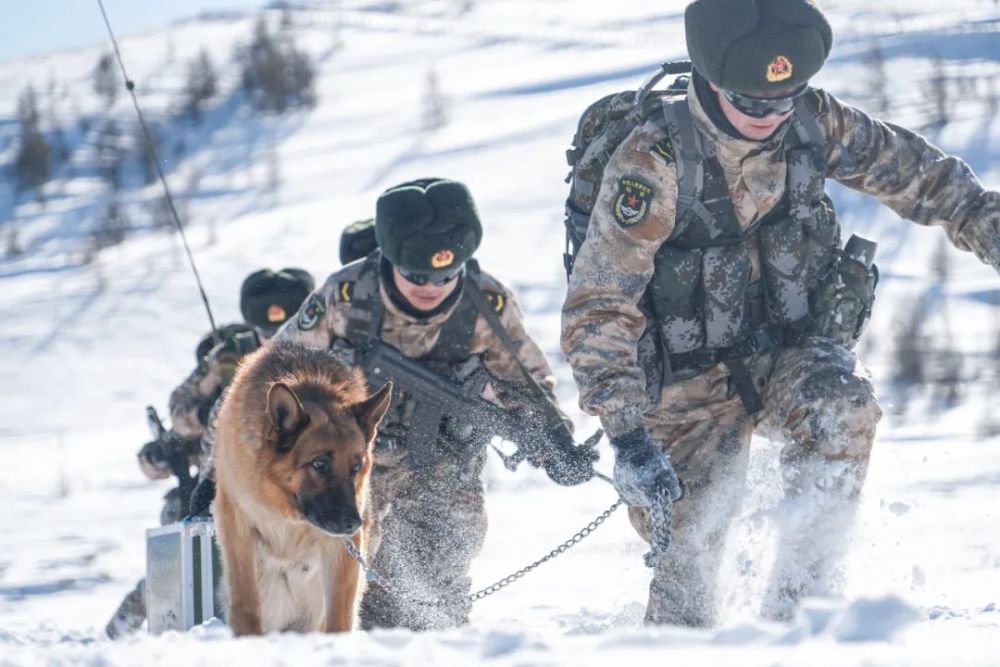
83	347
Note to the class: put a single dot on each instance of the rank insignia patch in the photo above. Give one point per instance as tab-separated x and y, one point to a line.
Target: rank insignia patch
779	69
632	203
276	313
442	259
346	291
312	312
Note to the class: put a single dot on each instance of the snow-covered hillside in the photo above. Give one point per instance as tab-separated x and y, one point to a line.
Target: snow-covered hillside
84	346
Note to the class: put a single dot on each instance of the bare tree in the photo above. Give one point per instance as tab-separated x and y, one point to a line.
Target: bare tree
145	154
910	343
275	74
878	81
110	157
201	86
941	262
434	105
105	80
937	91
111	227
32	162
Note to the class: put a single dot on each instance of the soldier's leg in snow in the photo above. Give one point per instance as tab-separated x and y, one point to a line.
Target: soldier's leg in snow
710	457
130	614
820	402
434	527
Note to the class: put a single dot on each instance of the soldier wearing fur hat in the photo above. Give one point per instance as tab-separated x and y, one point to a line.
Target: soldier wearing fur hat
421	292
703	304
267	299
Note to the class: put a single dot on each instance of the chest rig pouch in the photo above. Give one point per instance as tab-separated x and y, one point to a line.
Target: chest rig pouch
406	428
708	305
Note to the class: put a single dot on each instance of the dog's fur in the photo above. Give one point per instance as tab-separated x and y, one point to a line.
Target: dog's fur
293	456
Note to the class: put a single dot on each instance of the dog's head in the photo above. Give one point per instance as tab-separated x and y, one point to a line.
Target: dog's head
321	454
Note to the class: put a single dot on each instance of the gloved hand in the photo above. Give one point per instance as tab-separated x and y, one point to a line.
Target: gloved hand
642	471
567	463
153	461
220	362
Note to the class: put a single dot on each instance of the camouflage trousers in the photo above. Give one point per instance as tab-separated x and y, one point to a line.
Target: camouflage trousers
432	523
819	402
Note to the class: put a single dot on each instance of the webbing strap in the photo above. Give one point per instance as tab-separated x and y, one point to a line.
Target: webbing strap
364	318
490	315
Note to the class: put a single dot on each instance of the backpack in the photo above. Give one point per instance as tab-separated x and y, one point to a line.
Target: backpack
603	126
357	240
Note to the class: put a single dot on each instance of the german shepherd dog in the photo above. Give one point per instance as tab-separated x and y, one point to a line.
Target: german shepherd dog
293	456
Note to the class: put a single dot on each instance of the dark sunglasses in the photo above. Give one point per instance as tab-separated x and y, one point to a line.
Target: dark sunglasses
421	279
762	107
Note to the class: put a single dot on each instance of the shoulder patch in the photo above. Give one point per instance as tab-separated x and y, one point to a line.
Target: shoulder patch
346	290
664	150
497	300
312	312
632	203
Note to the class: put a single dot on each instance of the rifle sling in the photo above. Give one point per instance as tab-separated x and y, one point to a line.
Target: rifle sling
479	300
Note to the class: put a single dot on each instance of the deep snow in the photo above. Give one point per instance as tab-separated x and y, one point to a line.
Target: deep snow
85	347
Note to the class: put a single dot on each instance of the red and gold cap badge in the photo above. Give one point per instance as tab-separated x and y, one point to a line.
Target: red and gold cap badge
276	313
442	259
779	69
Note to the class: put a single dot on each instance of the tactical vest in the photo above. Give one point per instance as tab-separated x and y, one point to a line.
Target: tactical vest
704	306
450	355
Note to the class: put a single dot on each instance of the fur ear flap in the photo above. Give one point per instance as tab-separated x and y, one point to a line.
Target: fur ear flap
370	411
286	413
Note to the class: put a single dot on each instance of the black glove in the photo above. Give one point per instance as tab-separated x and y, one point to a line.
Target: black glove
642	471
567	463
153	460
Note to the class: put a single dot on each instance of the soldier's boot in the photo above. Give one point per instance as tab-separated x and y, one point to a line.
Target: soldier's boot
814	522
682	591
131	613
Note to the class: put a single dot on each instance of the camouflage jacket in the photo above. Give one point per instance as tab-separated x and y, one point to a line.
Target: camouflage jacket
191	401
415	338
602	322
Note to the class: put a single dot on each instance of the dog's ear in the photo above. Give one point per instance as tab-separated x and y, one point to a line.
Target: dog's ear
370	411
286	413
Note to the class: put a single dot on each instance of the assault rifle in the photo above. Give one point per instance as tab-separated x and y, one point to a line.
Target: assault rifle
174	451
541	441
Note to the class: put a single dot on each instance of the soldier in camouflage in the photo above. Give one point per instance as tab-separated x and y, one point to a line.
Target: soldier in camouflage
414	292
696	315
267	299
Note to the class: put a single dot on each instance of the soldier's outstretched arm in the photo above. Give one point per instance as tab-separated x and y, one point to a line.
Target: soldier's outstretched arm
601	319
911	176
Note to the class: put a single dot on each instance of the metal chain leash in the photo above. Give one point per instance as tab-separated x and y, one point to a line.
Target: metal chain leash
375	577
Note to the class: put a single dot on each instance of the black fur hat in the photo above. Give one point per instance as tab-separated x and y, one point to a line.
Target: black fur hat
757	47
429	226
268	298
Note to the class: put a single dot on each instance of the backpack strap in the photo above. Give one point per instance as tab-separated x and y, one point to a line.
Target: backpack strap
364	319
690	165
